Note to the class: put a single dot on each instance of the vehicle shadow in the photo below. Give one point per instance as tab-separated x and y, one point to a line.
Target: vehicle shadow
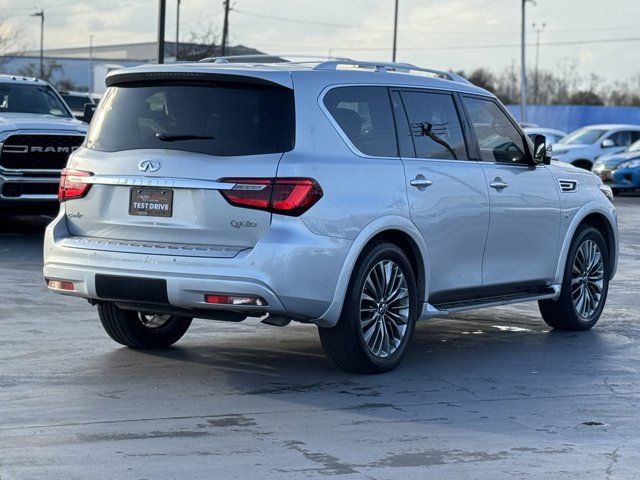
466	360
27	225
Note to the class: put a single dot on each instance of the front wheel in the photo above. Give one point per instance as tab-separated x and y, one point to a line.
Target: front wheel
141	330
585	284
378	316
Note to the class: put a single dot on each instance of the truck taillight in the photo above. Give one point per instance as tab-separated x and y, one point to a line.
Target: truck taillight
286	196
71	186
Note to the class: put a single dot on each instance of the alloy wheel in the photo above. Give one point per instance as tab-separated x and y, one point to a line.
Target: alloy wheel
587	279
153	320
384	308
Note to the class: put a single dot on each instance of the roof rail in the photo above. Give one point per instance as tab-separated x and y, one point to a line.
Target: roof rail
270	58
389	67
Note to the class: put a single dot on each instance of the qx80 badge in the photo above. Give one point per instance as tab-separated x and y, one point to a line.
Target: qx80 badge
149	166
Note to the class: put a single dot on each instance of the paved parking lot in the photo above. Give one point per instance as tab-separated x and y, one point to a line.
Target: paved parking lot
490	394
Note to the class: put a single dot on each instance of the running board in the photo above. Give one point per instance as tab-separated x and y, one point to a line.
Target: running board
443	309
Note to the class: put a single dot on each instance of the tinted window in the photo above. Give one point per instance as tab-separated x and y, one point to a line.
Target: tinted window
215	118
584	136
622	139
499	140
76	102
24	98
364	115
435	125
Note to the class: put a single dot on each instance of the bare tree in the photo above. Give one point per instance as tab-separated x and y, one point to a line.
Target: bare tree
202	42
53	73
563	85
9	40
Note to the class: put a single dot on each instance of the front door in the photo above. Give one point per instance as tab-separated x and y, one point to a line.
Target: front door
446	191
524	226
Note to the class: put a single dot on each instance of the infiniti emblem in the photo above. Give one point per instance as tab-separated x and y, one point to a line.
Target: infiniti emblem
149	166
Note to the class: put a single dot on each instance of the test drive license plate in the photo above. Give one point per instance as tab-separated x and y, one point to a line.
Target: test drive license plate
151	202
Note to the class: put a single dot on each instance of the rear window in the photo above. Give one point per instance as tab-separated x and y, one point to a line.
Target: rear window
215	118
364	115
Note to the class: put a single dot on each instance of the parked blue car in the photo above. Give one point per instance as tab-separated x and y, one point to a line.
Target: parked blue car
605	165
626	176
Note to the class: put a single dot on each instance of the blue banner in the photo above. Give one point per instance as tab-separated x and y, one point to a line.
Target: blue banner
572	117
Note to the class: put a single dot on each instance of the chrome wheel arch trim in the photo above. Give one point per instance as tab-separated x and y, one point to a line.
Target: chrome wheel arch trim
330	317
592	207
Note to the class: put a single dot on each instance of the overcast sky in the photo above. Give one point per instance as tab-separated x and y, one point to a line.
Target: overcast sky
458	34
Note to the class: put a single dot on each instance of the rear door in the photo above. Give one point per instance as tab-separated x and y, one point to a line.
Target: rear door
161	150
446	191
524	227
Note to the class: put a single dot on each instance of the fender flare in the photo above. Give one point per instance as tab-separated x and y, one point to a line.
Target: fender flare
582	213
391	222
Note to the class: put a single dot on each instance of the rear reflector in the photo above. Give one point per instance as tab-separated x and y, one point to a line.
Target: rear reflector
71	184
217	299
60	285
286	196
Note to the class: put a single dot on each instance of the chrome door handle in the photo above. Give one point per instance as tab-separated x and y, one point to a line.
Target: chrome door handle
498	185
420	182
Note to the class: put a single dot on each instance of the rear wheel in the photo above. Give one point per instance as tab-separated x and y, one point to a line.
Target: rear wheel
139	329
378	316
585	284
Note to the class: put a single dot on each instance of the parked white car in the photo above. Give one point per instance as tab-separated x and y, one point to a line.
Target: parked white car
582	147
551	135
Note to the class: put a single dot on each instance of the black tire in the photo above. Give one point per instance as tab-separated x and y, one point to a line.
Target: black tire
562	314
345	343
127	328
615	191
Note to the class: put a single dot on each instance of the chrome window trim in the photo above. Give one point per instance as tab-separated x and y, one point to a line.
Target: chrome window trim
386	86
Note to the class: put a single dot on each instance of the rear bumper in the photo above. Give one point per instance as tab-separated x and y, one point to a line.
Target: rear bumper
292	269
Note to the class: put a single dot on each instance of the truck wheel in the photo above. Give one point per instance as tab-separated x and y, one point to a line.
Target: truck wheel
378	316
141	330
585	284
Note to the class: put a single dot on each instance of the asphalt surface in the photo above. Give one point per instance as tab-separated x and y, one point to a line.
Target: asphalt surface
489	394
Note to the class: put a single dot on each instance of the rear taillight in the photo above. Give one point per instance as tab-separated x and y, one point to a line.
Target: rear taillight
236	300
287	196
71	184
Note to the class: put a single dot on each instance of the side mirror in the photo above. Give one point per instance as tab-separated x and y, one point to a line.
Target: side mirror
541	154
89	110
608	143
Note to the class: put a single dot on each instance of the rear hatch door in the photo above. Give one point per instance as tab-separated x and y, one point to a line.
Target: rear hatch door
160	150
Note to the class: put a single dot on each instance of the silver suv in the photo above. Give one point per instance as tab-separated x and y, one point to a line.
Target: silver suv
359	197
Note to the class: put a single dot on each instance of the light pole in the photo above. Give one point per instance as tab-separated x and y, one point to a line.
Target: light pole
41	15
161	14
395	32
523	65
90	63
225	29
535	80
177	28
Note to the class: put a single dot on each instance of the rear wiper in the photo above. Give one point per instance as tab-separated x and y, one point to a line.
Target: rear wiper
165	137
